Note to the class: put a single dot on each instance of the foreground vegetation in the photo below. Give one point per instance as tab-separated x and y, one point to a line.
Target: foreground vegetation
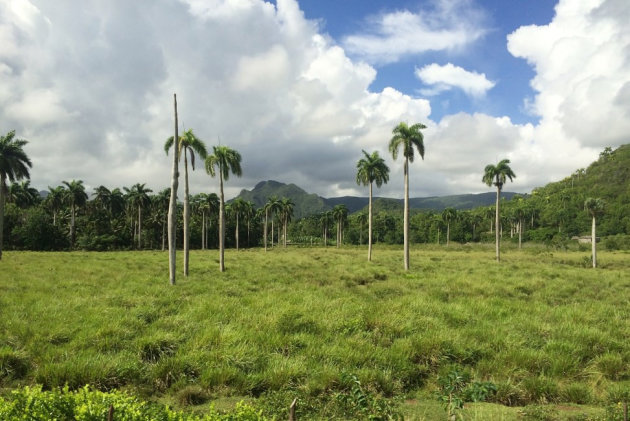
345	337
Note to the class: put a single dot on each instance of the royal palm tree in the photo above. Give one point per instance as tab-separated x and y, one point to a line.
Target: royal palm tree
498	175
159	205
23	195
448	215
248	212
54	201
238	206
138	197
325	219
286	211
409	138
340	213
362	218
102	197
14	165
75	197
595	207
371	169
223	161
271	207
187	145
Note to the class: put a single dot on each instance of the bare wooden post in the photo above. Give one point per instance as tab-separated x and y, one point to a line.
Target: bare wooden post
292	410
172	210
110	414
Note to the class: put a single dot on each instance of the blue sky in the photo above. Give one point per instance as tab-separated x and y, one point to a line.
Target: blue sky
488	55
300	87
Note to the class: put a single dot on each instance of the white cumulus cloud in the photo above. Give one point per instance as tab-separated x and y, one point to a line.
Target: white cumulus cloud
444	78
448	25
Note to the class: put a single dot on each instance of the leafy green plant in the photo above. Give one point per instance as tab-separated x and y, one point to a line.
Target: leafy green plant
361	403
452	386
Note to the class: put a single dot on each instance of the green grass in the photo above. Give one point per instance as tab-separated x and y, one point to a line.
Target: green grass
541	326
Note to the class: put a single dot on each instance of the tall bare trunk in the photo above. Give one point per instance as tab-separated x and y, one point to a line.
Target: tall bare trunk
406	216
172	208
496	227
370	226
594	242
72	225
203	230
265	230
2	187
272	231
139	227
448	233
520	233
221	224
186	214
236	231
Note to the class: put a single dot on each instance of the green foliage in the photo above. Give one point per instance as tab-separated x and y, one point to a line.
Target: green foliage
87	404
288	323
359	403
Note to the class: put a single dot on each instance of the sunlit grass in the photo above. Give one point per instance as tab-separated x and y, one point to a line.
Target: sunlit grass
541	325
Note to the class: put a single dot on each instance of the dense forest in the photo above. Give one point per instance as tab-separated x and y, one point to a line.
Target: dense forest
67	217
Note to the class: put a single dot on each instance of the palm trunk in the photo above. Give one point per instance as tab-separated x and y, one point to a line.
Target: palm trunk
221	224
139	227
406	216
265	229
370	226
2	187
186	214
448	233
284	231
594	242
203	230
172	208
163	235
236	233
248	227
496	227
271	231
520	233
72	226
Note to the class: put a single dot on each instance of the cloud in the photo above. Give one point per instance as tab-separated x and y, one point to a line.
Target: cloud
582	64
448	25
90	86
444	78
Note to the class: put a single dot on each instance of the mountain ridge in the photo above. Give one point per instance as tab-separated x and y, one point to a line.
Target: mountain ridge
310	203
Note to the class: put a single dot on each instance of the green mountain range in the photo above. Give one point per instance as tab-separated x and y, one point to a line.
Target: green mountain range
310	203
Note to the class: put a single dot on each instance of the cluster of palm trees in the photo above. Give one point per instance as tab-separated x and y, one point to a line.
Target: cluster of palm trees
407	140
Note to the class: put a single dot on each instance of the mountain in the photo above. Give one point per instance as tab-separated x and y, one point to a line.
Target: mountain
310	203
305	203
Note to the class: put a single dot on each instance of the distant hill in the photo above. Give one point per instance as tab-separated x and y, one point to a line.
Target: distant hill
310	203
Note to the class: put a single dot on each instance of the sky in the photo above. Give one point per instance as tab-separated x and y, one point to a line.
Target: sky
301	87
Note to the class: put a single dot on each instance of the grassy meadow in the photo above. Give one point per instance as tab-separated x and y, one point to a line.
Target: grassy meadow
551	334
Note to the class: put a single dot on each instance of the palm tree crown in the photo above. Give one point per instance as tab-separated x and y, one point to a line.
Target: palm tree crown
498	174
14	165
409	138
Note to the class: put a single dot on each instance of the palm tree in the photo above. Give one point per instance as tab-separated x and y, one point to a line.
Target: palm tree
138	197
371	169
14	165
22	194
325	219
188	144
238	206
248	212
497	175
159	204
286	211
340	212
448	215
272	206
54	201
595	207
75	197
362	218
409	138
223	161
172	204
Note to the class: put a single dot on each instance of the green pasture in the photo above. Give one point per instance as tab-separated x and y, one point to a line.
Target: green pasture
551	334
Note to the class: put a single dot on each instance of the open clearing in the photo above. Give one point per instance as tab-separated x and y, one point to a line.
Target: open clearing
541	326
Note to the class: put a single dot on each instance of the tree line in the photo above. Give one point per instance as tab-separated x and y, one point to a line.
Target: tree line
135	217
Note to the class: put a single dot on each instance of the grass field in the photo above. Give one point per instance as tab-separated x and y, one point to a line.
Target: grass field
551	335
